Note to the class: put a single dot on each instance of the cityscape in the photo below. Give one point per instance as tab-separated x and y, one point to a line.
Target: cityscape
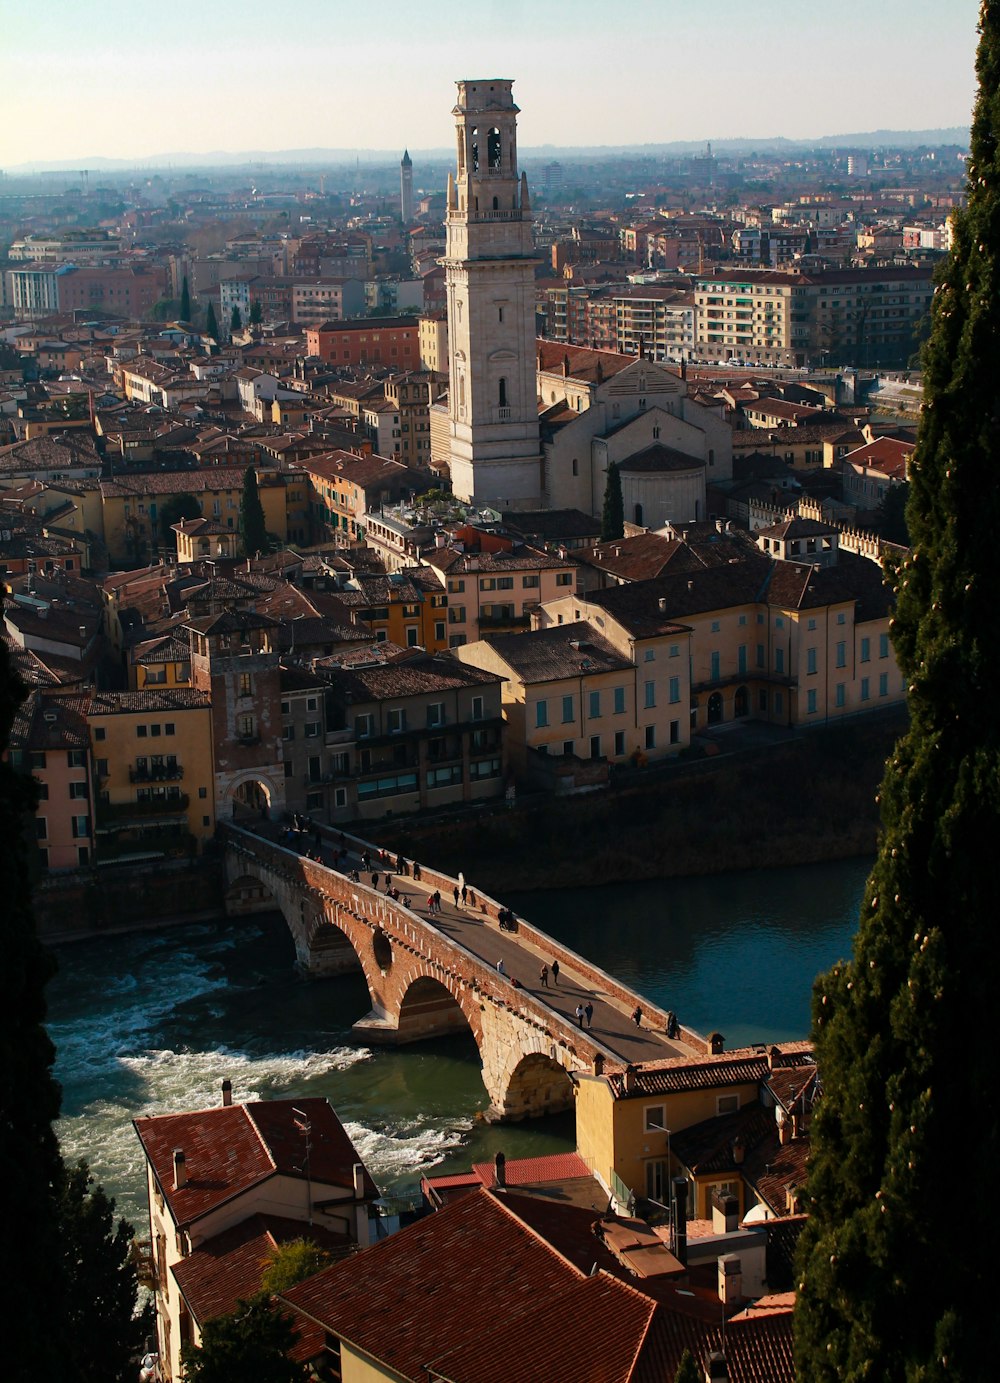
428	576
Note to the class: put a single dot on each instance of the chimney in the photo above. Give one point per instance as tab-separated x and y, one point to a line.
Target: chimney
717	1042
227	1092
680	1199
715	1368
796	1124
792	1200
662	604
629	1079
725	1212
180	1170
784	1133
359	1181
598	1063
730	1279
739	1152
500	1170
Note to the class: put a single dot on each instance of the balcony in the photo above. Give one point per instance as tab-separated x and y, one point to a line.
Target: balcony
114	813
156	773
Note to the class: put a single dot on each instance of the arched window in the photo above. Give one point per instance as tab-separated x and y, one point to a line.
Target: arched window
493	151
474	150
638	514
496	203
502	399
576	466
461	391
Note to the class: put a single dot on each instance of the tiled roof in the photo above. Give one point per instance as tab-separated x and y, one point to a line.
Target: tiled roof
550	525
563	650
677	1074
228	1267
230	1148
155	699
409	677
797	528
707	1147
583	363
661	459
522	1171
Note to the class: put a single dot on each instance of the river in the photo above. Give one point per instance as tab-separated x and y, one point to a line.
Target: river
153	1022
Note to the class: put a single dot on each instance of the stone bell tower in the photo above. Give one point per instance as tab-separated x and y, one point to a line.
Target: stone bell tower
493	413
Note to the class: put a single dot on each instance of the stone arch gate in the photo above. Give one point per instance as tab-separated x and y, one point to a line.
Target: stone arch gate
422	983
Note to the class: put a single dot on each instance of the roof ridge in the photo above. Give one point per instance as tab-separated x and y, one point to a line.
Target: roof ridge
256	1128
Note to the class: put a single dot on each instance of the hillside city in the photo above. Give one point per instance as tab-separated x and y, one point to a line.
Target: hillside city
399	490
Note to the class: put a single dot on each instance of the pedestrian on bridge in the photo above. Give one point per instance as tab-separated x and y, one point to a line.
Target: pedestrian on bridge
555	972
465	895
579	1014
637	1016
374	881
500	967
456	895
588	1009
545	977
437	900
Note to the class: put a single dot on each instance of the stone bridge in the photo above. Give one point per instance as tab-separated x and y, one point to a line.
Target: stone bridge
429	976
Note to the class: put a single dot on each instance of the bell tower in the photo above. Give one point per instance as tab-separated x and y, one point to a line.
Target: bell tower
490	263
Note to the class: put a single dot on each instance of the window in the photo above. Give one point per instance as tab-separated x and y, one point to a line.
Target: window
154	730
456	587
77	790
246	684
246	727
141	732
810	624
654	1119
567	710
595	746
727	1104
41	828
312	729
564	578
883	684
77	758
529	582
842	654
716	626
760	655
675	732
811	702
541	714
619	701
649	694
675	690
883	645
841	617
594	705
395	720
619	743
439	631
840	695
288	733
811	661
568	747
100	733
779	622
779	660
716	671
649	654
412	636
865	689
650	737
81	827
477	708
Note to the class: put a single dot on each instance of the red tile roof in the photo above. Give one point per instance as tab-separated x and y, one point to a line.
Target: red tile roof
230	1148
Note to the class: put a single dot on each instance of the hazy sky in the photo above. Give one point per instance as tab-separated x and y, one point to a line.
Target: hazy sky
129	80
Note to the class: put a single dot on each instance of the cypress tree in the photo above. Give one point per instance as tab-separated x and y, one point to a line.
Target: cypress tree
211	325
236	320
185	301
253	528
892	1283
613	513
256	313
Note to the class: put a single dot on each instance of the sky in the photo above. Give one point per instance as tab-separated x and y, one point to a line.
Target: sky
115	79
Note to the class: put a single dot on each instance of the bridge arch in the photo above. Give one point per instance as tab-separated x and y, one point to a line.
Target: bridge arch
538	1084
429	1008
251	793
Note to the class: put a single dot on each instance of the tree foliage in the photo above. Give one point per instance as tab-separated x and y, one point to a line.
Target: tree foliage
252	1345
185	301
613	513
235	320
293	1262
99	1282
256	313
890	516
176	509
890	1288
687	1370
30	1166
253	528
211	324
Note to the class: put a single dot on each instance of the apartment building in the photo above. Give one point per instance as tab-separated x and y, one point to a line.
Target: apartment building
392	341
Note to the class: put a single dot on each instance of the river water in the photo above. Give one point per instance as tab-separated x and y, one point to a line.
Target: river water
152	1023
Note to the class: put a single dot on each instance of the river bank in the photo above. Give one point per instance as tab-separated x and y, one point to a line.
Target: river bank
804	801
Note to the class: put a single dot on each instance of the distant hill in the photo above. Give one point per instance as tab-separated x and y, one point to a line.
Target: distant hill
220	158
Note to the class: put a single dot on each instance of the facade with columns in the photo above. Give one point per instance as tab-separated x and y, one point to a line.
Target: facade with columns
495	454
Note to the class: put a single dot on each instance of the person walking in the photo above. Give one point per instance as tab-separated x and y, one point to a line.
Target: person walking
374	881
465	895
579	1014
555	972
637	1016
500	967
588	1009
544	977
456	895
437	900
472	899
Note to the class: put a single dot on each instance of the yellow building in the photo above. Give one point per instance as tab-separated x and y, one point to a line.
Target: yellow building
154	769
408	608
133	506
164	662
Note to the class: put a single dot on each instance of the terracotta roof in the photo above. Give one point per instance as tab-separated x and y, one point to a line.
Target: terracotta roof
408	677
677	1074
659	458
522	1171
582	362
230	1148
155	699
228	1267
563	650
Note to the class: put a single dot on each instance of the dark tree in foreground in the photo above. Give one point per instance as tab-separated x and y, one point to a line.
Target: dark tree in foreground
256	313
235	320
176	509
211	325
185	301
253	528
687	1370
907	1135
252	1345
30	1166
890	516
99	1283
613	513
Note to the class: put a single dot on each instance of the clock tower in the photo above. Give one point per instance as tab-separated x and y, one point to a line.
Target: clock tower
490	270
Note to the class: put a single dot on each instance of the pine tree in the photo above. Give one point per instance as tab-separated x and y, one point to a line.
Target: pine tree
99	1282
185	301
30	1166
906	1136
613	513
211	325
251	1344
687	1369
253	528
235	321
